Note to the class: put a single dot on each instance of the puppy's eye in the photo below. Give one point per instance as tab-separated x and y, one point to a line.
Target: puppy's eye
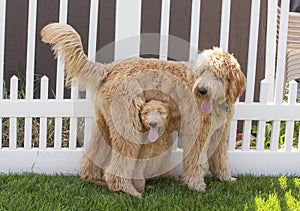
160	113
144	113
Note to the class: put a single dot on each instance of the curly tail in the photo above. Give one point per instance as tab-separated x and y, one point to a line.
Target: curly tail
66	42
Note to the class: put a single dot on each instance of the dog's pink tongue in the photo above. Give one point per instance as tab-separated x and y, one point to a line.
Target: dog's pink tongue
153	134
206	106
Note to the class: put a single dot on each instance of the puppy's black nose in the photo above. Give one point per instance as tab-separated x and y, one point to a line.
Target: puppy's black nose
153	124
202	90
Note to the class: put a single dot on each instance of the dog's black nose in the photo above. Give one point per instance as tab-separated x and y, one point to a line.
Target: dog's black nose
202	90
153	124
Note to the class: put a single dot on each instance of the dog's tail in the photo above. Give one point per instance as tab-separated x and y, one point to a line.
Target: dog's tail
66	42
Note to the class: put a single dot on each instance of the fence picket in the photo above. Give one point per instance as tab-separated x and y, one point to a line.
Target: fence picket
246	135
289	130
281	55
195	25
30	68
261	127
43	120
252	50
271	47
164	29
127	36
225	22
13	120
63	14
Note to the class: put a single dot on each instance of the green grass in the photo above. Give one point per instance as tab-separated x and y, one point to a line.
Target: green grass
41	192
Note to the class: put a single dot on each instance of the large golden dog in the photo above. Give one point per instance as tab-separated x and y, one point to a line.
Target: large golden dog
218	83
204	91
120	91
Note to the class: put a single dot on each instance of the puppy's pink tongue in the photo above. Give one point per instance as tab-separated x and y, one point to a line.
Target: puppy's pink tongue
153	134
206	106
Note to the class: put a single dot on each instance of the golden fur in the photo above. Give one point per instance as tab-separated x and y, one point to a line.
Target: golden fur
118	86
110	85
219	73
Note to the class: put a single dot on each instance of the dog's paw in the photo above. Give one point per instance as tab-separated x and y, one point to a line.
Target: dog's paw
139	184
115	183
196	184
226	178
233	179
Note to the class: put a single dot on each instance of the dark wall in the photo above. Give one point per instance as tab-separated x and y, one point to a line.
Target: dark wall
180	18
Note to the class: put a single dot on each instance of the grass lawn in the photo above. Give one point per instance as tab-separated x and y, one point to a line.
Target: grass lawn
41	192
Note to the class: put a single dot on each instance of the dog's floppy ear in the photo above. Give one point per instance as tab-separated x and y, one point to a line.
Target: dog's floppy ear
237	82
174	120
136	107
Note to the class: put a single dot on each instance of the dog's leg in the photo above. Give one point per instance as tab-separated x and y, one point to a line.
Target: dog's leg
94	157
139	180
218	156
195	164
119	173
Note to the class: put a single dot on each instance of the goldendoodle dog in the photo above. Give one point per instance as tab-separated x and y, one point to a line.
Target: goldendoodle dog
117	143
218	83
204	91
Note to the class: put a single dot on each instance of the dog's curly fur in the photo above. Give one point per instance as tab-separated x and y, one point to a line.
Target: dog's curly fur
215	70
220	75
110	84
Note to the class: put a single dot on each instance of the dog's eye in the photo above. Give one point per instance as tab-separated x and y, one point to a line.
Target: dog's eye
160	113
144	113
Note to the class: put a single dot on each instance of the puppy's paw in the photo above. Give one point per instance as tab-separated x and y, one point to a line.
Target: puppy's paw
139	184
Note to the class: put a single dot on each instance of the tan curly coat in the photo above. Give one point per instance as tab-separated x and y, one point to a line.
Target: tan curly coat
215	71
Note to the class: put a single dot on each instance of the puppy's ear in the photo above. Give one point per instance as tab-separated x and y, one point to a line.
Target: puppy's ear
137	105
174	120
237	83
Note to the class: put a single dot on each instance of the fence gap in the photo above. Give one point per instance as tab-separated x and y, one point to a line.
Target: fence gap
73	120
2	44
232	135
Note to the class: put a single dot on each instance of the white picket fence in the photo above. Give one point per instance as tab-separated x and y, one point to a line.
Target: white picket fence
248	159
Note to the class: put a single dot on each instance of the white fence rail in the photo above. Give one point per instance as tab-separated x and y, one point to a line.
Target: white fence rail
276	146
